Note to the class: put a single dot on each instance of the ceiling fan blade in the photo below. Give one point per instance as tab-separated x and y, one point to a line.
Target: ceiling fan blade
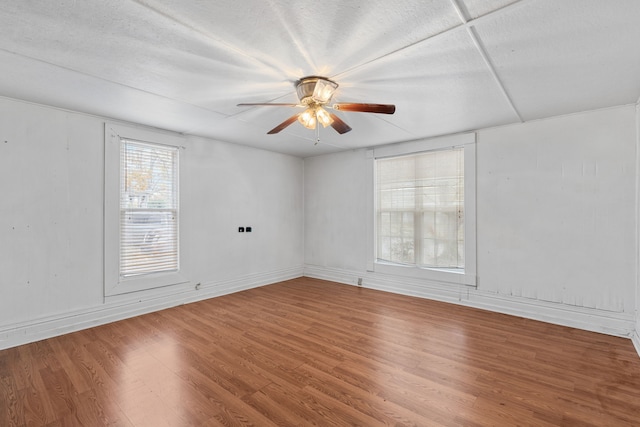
365	108
340	126
284	124
272	104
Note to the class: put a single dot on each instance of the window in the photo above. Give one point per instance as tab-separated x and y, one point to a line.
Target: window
143	210
148	208
420	209
424	209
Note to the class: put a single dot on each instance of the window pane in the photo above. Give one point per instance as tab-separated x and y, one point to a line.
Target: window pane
428	186
148	178
148	208
149	242
396	237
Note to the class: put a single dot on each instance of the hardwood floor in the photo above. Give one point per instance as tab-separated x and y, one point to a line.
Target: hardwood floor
310	352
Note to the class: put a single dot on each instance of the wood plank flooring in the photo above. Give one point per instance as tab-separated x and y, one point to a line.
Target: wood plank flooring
311	352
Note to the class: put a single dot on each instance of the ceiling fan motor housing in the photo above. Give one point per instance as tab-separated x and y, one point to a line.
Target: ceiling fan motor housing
315	90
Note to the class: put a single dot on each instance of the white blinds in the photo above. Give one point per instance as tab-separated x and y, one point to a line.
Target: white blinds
420	209
148	208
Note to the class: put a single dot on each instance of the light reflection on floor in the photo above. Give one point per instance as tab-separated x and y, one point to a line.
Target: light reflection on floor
149	390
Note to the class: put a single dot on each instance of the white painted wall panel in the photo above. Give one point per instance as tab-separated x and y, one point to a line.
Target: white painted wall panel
50	211
336	210
237	186
51	223
556	203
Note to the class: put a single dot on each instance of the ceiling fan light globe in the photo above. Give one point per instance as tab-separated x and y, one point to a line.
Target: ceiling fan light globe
323	91
323	117
315	90
308	118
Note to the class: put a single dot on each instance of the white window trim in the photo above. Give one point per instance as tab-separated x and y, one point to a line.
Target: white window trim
466	277
113	283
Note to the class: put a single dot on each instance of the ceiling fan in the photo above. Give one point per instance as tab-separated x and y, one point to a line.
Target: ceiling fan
315	93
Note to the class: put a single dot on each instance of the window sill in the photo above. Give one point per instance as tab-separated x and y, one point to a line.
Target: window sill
445	275
144	282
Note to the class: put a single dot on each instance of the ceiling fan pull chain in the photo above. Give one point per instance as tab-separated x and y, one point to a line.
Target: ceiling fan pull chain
317	135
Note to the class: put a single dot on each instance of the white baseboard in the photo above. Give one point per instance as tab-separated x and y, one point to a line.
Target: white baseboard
595	320
635	338
136	304
131	305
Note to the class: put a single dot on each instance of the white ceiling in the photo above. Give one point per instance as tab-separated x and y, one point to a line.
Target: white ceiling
448	65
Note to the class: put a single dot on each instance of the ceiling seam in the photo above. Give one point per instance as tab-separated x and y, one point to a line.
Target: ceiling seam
462	11
427	39
137	89
223	116
464	15
217	41
492	68
466	23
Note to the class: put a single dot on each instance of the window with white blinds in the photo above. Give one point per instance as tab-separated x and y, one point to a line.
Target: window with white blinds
149	208
420	209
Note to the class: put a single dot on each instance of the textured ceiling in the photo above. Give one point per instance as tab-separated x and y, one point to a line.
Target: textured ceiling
448	65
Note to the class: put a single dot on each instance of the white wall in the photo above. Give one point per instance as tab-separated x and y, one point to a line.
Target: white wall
240	186
555	222
336	210
556	208
51	223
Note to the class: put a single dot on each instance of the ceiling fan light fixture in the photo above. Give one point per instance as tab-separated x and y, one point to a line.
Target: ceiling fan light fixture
315	93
